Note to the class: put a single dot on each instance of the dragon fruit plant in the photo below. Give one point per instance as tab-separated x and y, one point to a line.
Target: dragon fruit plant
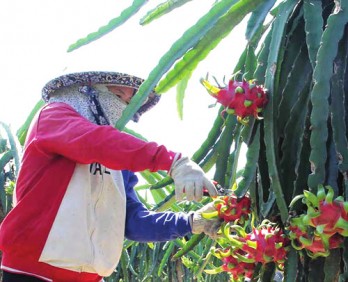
241	98
323	227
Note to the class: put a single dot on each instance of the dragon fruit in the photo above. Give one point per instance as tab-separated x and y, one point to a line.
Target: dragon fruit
264	244
240	251
305	237
238	270
327	215
231	209
241	98
324	226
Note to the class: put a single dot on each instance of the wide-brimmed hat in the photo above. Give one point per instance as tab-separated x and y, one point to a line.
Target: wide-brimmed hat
91	78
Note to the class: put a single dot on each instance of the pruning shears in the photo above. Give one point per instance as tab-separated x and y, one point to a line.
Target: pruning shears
222	191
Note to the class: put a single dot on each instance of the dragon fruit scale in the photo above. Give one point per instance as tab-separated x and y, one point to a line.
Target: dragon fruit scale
241	98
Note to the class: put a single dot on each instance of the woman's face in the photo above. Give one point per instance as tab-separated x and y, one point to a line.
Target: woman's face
124	93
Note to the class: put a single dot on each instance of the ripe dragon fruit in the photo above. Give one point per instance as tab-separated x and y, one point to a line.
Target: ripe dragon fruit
264	244
242	251
238	270
323	227
231	209
327	215
303	237
241	98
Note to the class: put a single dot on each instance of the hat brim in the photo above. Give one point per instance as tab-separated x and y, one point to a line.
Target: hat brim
99	77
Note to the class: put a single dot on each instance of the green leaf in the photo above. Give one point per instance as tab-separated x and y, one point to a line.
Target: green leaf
13	146
5	159
344	274
278	29
261	67
209	142
249	172
297	80
332	265
337	106
321	91
294	130
250	63
314	27
295	41
164	182
114	23
223	148
214	270
134	133
23	130
258	17
180	95
161	10
208	42
188	247
178	49
165	259
291	264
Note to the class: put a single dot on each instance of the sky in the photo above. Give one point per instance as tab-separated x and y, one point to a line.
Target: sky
35	37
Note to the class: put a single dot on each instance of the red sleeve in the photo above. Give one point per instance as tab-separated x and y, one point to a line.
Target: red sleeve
60	130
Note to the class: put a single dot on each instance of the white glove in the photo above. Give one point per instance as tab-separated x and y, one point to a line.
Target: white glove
189	178
200	224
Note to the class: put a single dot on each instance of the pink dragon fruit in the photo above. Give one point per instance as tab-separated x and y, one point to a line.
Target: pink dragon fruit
241	98
327	215
231	208
323	227
238	270
242	251
265	244
304	237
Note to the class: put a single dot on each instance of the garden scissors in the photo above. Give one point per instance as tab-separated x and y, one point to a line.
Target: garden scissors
222	191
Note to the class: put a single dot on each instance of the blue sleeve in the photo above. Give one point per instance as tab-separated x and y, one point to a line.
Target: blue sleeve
143	225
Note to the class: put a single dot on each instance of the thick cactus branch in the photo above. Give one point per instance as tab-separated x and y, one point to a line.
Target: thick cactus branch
313	26
249	172
321	91
269	126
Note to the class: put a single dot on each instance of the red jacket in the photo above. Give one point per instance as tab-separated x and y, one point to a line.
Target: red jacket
60	143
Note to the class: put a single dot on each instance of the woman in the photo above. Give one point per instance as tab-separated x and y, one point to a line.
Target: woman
74	200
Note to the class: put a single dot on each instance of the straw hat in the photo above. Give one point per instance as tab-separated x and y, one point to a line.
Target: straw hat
90	78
